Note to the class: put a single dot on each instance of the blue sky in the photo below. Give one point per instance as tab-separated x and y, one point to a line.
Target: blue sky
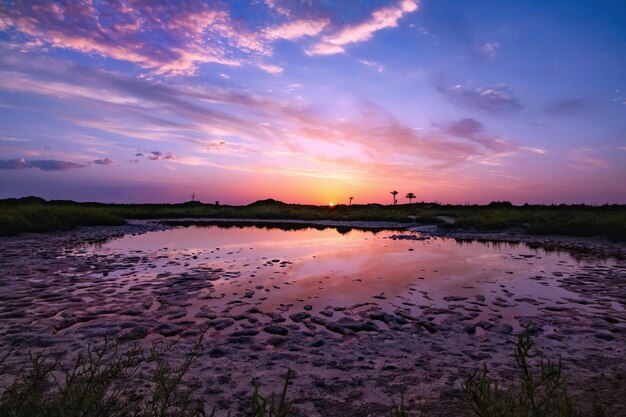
314	101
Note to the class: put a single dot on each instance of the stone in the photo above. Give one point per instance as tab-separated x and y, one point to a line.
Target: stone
274	329
298	317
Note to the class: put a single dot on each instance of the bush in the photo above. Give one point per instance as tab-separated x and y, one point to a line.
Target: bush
538	393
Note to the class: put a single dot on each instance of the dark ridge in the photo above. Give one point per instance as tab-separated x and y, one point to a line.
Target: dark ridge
24	201
267	202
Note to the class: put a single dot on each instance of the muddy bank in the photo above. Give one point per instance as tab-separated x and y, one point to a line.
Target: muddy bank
60	292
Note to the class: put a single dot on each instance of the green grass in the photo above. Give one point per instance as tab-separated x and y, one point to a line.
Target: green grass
538	392
44	218
116	381
37	215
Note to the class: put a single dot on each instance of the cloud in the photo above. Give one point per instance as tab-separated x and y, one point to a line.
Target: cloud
44	165
227	122
105	161
158	155
386	17
325	49
272	69
174	39
296	30
585	159
474	130
372	64
465	128
14	164
570	106
498	99
490	49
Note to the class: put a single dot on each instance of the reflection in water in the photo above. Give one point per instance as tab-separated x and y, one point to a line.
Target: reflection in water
321	266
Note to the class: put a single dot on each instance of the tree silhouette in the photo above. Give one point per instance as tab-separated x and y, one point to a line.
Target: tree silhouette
410	196
193	196
351	198
394	193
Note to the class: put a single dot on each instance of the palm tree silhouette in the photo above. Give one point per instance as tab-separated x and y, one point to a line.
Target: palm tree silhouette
351	198
394	193
410	196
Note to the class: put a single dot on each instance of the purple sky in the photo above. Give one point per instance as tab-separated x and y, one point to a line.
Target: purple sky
314	101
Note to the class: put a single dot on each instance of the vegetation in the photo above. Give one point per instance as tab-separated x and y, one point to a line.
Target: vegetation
105	381
394	193
45	217
37	215
538	393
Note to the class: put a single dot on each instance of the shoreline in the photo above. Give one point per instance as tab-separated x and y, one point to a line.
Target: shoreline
57	294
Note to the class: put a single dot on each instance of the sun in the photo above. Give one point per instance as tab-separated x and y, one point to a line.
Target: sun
331	204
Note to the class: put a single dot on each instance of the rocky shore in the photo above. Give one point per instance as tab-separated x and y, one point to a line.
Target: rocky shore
56	293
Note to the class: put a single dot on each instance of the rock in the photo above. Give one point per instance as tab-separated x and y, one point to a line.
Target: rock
604	336
298	317
454	298
221	324
216	353
470	329
133	311
503	328
245	332
345	325
274	329
41	341
135	333
326	313
276	318
308	307
318	320
276	340
168	330
334	327
318	343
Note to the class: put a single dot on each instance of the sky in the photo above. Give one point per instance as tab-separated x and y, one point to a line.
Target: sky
314	101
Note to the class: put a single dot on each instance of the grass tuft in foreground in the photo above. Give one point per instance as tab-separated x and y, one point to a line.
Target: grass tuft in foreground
101	382
538	392
106	382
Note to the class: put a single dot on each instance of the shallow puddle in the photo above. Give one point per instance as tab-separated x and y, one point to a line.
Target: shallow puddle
283	269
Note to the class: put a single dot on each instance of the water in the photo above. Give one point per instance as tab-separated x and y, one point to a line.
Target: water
280	269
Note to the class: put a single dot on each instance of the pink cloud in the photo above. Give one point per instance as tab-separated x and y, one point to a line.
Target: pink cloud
586	159
272	69
383	18
296	29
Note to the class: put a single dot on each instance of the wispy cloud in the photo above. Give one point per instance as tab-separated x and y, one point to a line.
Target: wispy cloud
490	49
175	39
378	67
569	107
215	121
296	29
497	99
586	159
44	165
386	17
158	155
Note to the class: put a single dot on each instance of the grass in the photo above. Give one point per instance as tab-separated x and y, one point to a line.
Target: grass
108	381
37	215
44	218
539	392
